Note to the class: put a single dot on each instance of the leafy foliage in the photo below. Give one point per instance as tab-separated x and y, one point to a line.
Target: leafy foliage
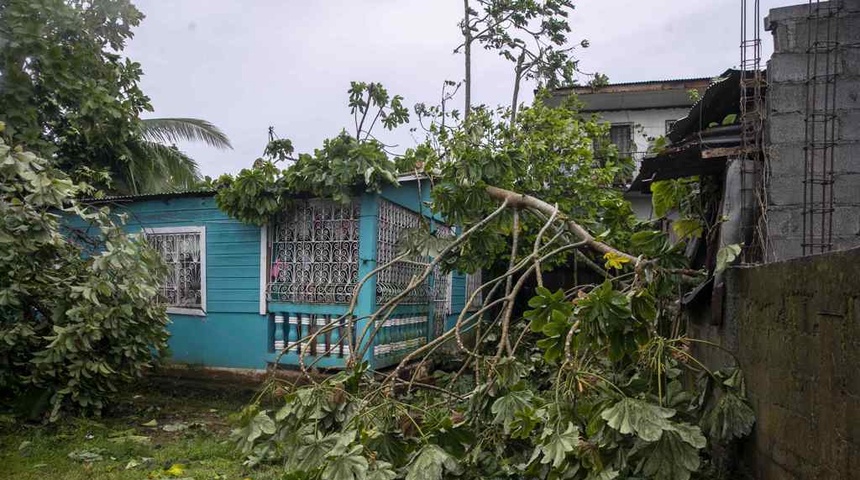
345	166
644	419
69	94
77	319
596	381
591	385
726	255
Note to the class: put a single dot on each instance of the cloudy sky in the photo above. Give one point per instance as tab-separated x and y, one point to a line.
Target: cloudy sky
247	65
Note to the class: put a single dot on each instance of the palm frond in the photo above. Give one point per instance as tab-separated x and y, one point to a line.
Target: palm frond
175	130
160	168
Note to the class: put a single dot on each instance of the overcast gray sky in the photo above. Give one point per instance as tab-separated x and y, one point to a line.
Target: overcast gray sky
246	65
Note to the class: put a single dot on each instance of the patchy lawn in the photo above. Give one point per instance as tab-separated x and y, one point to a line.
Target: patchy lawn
165	428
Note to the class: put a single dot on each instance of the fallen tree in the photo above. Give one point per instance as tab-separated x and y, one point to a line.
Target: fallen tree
592	381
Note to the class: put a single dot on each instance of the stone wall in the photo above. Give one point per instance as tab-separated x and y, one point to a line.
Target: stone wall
785	131
795	329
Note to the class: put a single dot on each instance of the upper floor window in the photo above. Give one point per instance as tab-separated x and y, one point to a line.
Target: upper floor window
621	135
184	251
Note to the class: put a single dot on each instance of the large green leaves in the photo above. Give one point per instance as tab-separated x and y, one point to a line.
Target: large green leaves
667	195
645	420
730	418
675	455
258	425
726	255
607	318
550	314
350	465
668	450
505	408
557	445
79	314
430	463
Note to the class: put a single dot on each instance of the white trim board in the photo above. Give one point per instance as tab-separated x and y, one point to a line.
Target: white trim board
264	264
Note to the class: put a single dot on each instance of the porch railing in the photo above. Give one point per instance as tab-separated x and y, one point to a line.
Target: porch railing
294	330
398	336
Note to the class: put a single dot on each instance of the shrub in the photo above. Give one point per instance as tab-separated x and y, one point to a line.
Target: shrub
78	313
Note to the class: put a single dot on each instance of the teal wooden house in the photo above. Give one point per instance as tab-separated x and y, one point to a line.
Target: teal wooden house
239	294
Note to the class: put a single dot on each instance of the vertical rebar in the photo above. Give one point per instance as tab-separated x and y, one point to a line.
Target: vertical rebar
820	125
751	120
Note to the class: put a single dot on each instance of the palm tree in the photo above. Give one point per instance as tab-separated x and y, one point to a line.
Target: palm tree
157	165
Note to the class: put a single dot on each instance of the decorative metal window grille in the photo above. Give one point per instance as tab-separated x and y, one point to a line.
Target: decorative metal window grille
393	221
314	253
473	283
183	249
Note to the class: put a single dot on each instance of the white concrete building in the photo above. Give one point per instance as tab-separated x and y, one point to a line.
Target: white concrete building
638	113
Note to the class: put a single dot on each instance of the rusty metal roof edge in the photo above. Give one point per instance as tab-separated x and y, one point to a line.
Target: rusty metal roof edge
150	196
698	104
641	82
196	193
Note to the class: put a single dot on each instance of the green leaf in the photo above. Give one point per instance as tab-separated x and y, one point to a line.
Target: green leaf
264	423
430	463
505	408
731	417
687	228
664	197
726	255
314	454
381	471
675	455
649	242
350	466
632	416
557	446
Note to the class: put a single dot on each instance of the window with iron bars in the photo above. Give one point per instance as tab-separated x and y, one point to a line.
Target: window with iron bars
314	252
394	221
183	250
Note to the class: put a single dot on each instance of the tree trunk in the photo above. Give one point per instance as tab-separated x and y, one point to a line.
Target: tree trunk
467	51
518	75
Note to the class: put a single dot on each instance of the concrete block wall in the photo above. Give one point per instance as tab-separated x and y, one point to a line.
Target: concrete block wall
794	327
785	131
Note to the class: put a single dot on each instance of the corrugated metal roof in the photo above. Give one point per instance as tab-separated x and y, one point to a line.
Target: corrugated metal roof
193	193
638	83
690	136
151	196
722	97
645	95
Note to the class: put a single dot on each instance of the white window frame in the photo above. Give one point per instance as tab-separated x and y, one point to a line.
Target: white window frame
197	312
264	268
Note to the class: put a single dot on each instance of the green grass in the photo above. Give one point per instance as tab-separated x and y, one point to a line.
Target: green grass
203	450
